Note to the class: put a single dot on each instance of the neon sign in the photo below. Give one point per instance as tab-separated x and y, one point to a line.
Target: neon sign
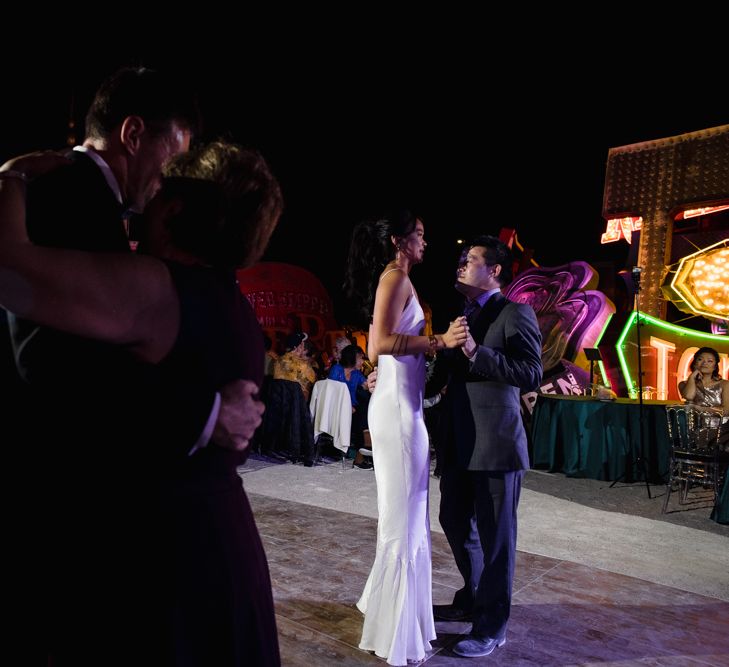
700	284
666	353
621	228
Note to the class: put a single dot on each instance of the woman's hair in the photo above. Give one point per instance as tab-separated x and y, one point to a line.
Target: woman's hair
231	203
707	350
370	250
339	345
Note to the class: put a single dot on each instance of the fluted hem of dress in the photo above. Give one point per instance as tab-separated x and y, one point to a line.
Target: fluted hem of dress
397	602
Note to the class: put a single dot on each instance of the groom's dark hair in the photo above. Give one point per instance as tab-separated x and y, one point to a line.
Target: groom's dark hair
497	252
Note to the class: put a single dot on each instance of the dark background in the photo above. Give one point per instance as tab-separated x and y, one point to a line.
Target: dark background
470	140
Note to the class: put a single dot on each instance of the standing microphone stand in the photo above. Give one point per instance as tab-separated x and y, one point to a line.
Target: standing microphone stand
640	459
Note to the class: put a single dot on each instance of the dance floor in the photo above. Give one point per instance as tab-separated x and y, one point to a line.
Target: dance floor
563	613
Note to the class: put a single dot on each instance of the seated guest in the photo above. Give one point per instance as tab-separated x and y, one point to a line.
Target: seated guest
287	431
704	388
348	371
706	391
339	344
294	365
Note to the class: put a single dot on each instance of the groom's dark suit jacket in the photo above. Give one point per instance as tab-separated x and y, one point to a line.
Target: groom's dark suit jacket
483	398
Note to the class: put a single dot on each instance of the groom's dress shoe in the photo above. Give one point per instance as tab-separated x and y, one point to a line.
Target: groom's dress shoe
447	612
473	647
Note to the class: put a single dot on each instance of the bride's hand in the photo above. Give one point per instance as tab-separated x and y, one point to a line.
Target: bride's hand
457	333
372	380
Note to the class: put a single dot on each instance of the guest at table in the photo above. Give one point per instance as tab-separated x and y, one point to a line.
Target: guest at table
705	389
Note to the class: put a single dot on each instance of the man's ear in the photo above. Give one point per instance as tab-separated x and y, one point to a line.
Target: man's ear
497	270
130	135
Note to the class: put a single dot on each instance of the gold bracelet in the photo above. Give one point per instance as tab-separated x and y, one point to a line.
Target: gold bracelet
433	344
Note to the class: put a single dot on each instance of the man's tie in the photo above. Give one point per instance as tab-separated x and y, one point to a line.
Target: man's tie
471	309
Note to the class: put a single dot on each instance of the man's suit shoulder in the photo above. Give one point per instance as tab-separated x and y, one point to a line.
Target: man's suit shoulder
516	307
73	206
72	185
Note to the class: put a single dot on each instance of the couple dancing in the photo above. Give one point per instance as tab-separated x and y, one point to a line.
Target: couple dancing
137	544
487	361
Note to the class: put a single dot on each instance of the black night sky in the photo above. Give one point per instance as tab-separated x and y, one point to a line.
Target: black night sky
470	144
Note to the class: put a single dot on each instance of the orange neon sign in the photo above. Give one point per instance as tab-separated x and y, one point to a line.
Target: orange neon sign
621	228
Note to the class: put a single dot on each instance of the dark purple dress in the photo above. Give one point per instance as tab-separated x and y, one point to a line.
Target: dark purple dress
223	606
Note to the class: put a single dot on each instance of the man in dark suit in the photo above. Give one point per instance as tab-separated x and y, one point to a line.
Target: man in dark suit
487	450
107	429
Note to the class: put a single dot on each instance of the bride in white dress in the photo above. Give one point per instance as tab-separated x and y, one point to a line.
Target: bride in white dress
397	599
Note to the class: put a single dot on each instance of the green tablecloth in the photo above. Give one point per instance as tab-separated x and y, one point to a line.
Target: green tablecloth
585	437
721	511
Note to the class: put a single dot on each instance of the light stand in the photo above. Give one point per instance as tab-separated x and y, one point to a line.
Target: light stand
640	460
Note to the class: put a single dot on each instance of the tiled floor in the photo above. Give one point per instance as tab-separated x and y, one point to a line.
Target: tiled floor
563	613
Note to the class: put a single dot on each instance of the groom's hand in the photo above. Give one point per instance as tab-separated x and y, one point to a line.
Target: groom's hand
470	346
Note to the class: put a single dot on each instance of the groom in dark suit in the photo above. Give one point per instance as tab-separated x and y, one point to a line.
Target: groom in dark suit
486	452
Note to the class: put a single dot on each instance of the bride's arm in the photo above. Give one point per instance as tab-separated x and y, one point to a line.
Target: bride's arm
390	300
112	297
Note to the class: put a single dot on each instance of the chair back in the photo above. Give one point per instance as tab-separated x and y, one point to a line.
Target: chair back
697	456
287	426
331	411
693	431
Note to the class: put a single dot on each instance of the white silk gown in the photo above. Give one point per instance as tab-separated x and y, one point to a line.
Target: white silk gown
397	599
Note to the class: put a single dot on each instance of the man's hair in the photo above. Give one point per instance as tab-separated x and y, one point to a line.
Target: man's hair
497	252
349	356
231	203
157	98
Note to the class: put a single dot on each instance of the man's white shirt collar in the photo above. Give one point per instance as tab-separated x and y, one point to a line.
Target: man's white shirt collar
483	298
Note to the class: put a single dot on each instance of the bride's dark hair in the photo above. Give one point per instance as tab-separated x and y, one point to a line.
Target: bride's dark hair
370	250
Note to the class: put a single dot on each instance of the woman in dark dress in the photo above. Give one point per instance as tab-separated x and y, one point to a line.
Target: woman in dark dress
182	309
